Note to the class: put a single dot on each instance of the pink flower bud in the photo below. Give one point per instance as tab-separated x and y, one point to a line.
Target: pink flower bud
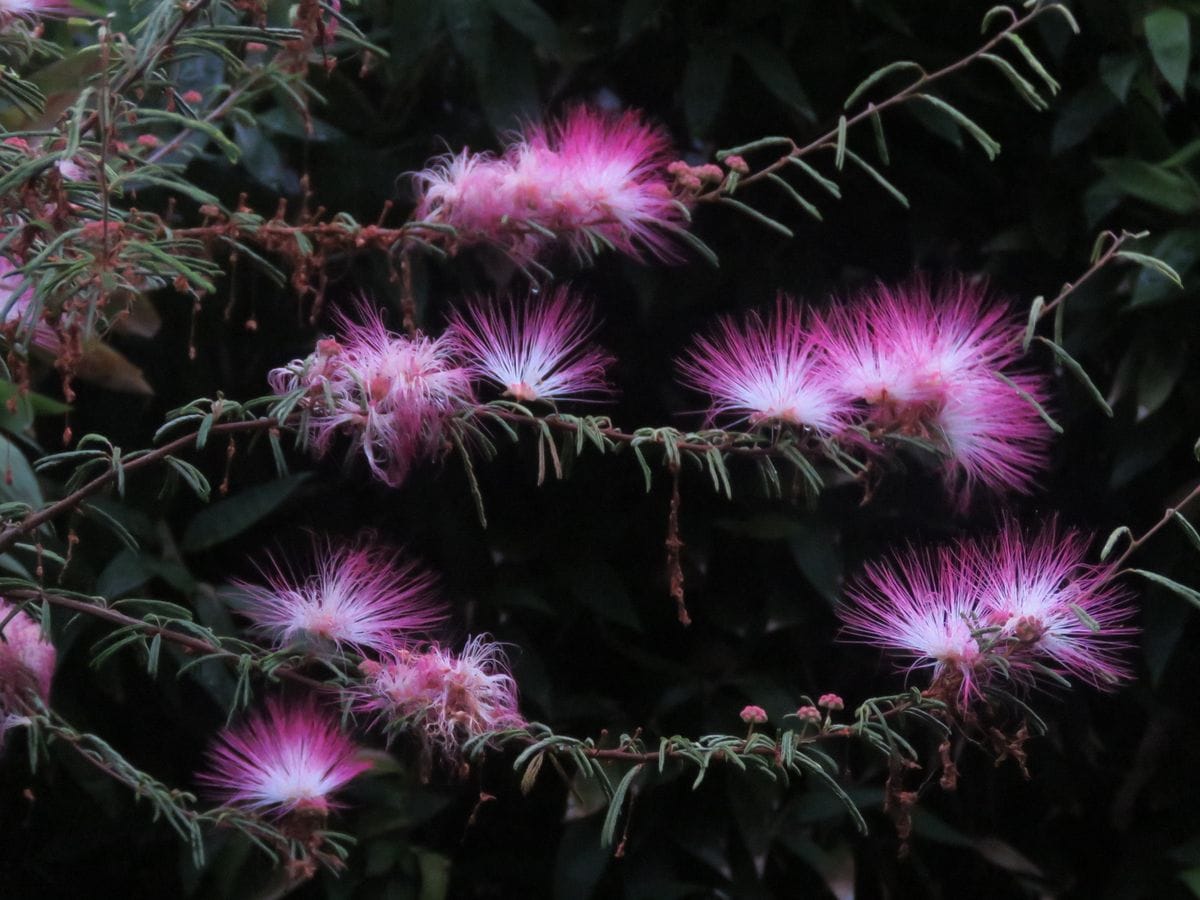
737	164
148	140
192	97
256	47
831	702
809	714
754	715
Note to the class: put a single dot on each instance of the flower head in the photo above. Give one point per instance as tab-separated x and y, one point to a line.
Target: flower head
924	606
590	179
534	349
831	702
1063	611
753	715
285	759
448	696
26	664
923	363
359	596
764	370
393	394
809	714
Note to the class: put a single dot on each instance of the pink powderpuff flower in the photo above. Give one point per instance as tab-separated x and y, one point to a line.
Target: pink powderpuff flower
285	759
591	180
359	596
831	702
535	349
450	697
393	394
809	714
31	8
923	361
27	662
923	605
19	319
1043	594
765	371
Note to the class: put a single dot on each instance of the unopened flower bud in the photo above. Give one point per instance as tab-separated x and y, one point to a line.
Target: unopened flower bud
831	702
754	715
737	164
809	714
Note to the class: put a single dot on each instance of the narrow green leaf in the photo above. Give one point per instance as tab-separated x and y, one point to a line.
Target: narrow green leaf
816	176
795	195
1033	62
1112	541
839	157
1022	84
1153	263
1035	313
1191	595
989	144
1188	528
757	216
880	140
877	75
1080	374
874	173
1032	401
608	832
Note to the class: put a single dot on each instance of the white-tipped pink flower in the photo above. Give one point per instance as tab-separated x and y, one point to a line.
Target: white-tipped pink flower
590	180
534	349
449	697
392	394
764	371
1061	610
31	8
284	759
923	606
923	363
359	596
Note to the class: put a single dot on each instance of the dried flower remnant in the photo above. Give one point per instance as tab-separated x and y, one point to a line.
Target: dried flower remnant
923	364
448	697
284	759
391	393
535	349
764	371
923	605
591	180
357	596
1060	610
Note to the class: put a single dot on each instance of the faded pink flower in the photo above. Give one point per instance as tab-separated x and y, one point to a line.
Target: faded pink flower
591	180
449	697
923	363
26	665
287	758
19	314
753	715
392	394
923	605
535	349
764	371
359	596
31	8
1058	608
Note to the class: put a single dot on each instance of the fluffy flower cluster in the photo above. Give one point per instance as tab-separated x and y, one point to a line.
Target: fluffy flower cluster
360	597
397	396
1008	607
534	349
907	362
393	394
448	697
26	664
285	759
591	180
